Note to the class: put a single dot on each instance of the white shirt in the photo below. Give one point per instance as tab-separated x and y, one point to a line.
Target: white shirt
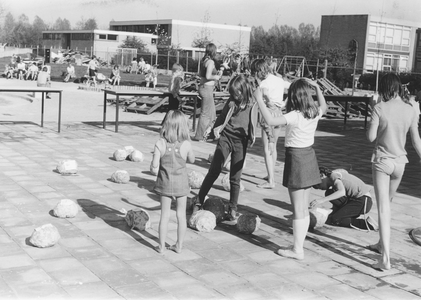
300	131
273	90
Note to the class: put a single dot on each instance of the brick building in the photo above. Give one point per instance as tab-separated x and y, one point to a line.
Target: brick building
383	44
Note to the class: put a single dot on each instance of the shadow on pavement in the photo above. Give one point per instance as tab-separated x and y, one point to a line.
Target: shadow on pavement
114	218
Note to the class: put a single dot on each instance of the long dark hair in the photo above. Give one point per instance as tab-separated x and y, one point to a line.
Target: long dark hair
210	52
301	99
241	93
390	86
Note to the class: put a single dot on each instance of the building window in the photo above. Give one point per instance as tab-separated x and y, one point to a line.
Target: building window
47	36
102	37
112	37
153	41
82	36
139	28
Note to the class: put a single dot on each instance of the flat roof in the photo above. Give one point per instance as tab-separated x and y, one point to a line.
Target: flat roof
180	22
100	31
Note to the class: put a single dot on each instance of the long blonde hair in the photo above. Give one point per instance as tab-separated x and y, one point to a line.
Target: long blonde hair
175	127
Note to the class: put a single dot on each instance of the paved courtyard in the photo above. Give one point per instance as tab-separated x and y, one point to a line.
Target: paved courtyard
99	257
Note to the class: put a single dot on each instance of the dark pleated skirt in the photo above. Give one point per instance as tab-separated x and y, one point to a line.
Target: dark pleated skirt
301	168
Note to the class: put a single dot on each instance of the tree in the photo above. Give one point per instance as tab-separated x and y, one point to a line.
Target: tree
89	24
133	42
61	24
22	31
8	28
203	37
339	69
38	26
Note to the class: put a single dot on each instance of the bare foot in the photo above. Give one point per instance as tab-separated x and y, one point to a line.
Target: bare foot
266	185
174	248
380	266
159	249
290	253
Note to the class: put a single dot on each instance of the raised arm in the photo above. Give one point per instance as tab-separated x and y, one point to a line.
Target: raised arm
270	120
320	98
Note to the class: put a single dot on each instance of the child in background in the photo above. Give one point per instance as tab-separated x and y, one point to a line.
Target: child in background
350	198
272	88
391	120
115	75
44	79
301	170
152	76
174	88
171	152
32	72
235	128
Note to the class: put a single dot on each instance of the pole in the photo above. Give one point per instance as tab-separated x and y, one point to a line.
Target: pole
355	66
187	61
325	70
317	68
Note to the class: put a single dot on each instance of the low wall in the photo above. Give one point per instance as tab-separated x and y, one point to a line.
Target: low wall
9	51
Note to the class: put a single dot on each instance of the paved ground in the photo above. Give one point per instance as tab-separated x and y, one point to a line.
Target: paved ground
98	257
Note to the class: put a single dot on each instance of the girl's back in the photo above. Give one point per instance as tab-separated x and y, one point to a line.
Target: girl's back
172	175
394	118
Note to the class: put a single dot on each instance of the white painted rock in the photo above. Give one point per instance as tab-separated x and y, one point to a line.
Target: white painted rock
120	154
318	217
120	176
248	223
129	149
225	181
195	179
67	167
45	236
136	156
203	221
138	219
66	208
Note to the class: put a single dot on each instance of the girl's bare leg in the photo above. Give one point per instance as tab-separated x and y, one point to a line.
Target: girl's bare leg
163	222
385	187
299	199
182	224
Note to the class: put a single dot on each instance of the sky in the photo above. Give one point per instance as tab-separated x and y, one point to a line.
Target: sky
232	12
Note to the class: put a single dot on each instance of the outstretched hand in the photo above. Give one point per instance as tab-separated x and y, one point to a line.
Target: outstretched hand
314	203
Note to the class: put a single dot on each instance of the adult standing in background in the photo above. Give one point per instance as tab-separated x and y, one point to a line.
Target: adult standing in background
208	77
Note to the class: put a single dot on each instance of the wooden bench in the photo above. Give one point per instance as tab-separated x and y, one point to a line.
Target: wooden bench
150	100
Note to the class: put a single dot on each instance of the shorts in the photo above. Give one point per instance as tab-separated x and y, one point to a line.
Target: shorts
274	111
386	165
92	73
301	168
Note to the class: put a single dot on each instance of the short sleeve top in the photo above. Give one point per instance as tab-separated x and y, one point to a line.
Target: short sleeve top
394	118
300	131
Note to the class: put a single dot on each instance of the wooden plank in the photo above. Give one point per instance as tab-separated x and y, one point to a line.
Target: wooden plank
153	108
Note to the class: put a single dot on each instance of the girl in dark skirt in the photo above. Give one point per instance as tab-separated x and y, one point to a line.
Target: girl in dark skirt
301	170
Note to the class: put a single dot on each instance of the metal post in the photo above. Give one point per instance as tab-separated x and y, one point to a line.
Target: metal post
355	66
317	68
168	61
187	61
325	70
